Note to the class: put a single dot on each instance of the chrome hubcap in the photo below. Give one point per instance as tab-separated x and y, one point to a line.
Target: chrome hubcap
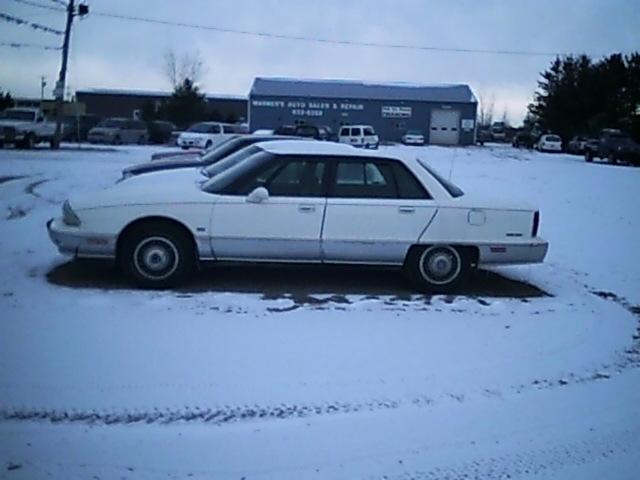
156	258
440	265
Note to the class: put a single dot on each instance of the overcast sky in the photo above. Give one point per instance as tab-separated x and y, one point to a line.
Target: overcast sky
111	53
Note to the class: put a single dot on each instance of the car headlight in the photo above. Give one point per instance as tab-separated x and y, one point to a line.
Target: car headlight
69	217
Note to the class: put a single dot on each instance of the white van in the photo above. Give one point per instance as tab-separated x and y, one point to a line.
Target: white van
359	136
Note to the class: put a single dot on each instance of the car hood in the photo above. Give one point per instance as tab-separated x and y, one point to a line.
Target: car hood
108	131
169	163
157	188
13	123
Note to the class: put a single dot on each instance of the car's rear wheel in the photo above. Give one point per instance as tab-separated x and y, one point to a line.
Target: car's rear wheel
28	142
588	156
158	255
611	158
437	268
117	140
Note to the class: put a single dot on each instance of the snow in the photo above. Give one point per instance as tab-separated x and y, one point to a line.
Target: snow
218	382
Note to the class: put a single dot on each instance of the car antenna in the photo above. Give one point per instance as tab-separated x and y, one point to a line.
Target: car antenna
453	161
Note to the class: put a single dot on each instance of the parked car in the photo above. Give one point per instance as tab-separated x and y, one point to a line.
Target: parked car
614	146
523	140
359	136
160	131
317	132
499	131
209	157
577	144
117	131
549	143
413	137
207	134
483	136
76	127
285	130
299	201
25	127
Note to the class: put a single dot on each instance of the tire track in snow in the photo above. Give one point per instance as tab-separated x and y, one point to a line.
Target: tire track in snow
533	462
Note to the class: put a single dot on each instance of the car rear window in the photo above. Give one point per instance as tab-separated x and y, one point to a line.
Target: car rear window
451	188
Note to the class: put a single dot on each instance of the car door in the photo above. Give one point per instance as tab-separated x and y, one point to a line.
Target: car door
376	210
284	227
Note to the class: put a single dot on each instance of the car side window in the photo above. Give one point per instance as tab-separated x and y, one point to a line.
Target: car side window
297	178
408	185
287	178
228	129
214	129
356	132
361	179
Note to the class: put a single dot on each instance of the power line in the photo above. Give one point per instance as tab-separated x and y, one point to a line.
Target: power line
40	5
324	40
28	45
60	2
35	26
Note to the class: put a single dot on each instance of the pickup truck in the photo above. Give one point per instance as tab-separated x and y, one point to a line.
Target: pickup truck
25	127
614	146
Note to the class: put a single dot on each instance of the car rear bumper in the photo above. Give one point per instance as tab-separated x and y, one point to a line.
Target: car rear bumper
533	251
71	241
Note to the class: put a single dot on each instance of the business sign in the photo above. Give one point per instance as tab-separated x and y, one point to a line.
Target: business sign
389	111
467	124
308	108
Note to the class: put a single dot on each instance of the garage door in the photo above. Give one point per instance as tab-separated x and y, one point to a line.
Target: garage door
445	127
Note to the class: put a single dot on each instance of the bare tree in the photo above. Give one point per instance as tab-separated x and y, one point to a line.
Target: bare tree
178	68
505	118
486	110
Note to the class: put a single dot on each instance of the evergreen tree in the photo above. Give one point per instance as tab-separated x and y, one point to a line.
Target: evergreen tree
577	96
186	105
5	100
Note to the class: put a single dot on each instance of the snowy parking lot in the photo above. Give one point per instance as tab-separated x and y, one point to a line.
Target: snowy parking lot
310	372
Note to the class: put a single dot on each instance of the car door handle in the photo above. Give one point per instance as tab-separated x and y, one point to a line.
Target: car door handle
406	209
306	208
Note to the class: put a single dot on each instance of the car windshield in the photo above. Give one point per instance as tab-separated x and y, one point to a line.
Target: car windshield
369	131
552	138
453	189
111	123
414	132
17	115
202	128
219	166
221	150
227	176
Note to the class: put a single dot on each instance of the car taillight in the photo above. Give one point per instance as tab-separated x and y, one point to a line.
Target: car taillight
536	224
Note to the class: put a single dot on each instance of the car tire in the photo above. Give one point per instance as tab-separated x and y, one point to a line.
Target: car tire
611	158
158	255
437	268
588	156
28	142
207	145
117	140
142	140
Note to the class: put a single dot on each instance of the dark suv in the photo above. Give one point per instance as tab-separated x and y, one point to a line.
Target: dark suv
614	146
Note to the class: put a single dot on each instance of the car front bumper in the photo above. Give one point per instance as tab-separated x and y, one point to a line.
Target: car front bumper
71	241
521	253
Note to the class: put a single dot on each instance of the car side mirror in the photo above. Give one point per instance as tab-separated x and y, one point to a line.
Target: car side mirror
258	195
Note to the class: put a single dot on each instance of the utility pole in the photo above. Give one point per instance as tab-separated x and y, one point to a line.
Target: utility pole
59	90
43	83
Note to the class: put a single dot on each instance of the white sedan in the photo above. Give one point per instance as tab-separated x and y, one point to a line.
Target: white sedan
299	201
549	143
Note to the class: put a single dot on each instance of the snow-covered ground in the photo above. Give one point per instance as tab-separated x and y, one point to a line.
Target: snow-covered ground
111	382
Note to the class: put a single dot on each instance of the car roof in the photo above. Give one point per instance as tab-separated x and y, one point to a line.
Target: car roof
310	147
361	125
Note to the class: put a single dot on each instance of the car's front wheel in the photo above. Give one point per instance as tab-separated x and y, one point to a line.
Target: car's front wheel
158	255
437	268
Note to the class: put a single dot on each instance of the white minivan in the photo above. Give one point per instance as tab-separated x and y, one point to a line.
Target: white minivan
359	136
